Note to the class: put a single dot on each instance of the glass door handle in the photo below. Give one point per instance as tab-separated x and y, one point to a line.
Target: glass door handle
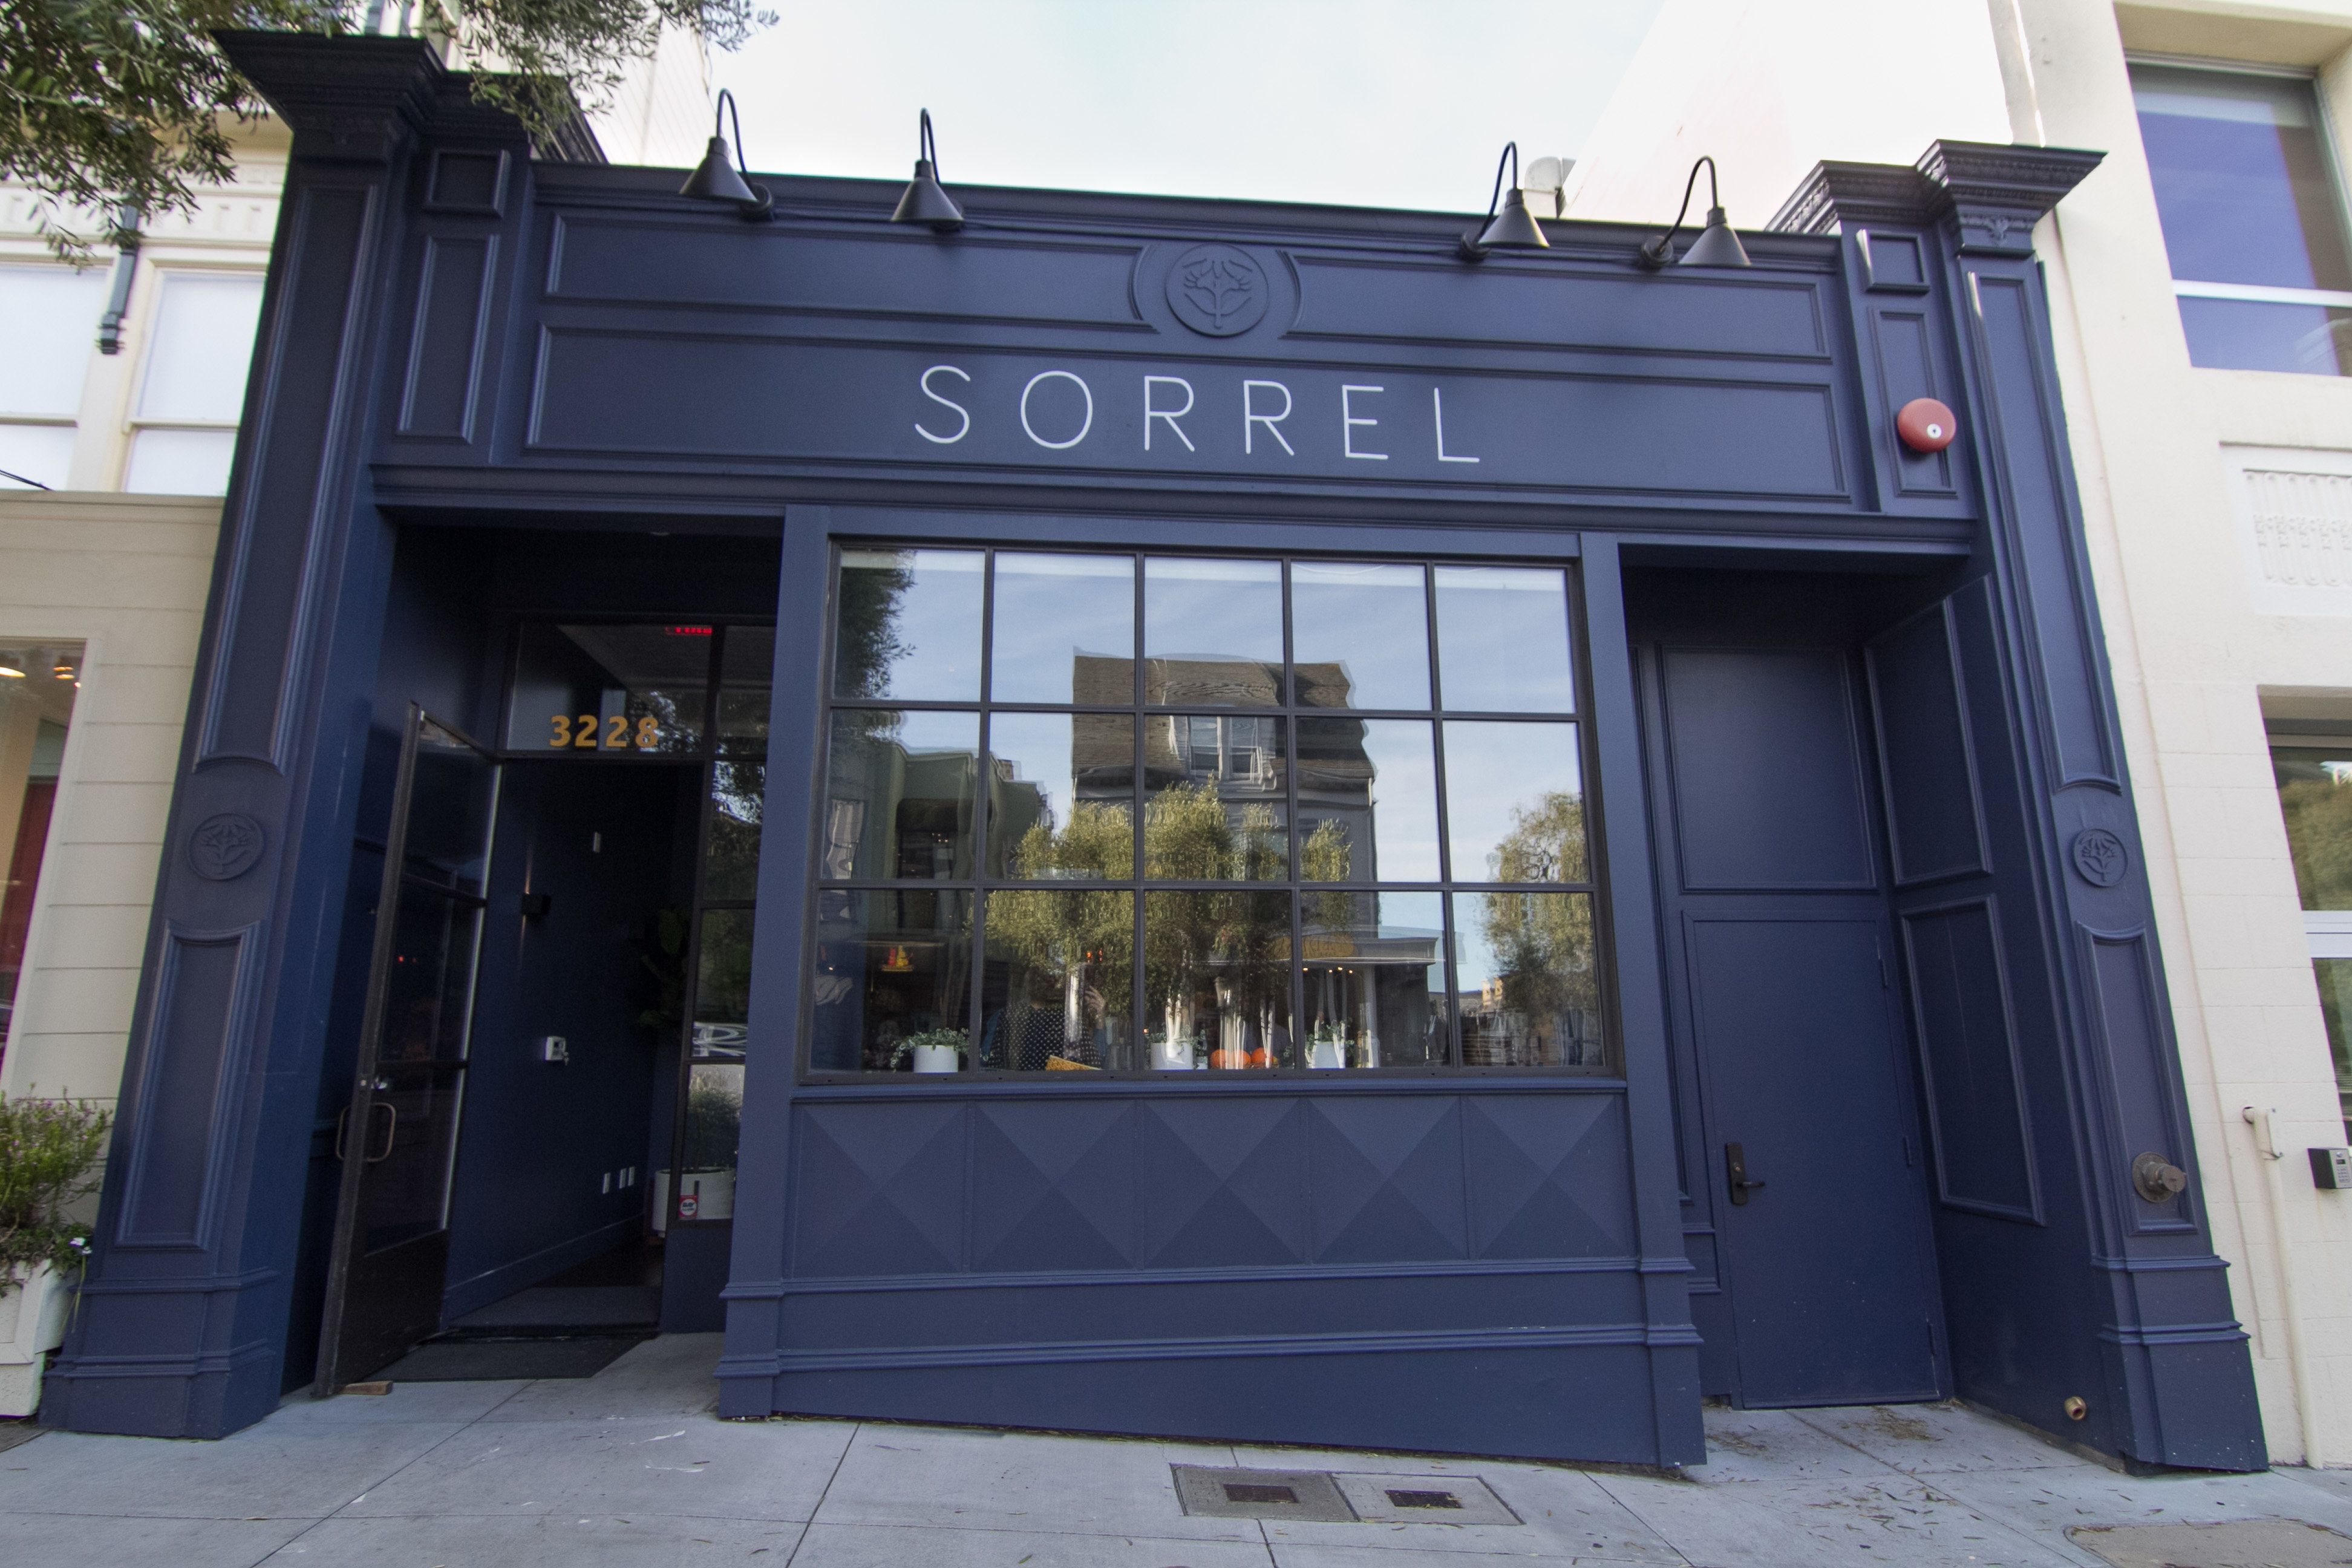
1735	1172
343	1129
391	1121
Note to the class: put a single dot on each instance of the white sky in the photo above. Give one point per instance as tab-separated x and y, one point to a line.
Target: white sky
1399	103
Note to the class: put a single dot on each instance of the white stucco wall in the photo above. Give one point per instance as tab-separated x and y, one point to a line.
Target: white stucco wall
126	576
2203	636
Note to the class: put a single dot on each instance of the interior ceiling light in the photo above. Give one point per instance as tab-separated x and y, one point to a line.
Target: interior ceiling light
1717	245
12	666
926	201
719	177
1511	227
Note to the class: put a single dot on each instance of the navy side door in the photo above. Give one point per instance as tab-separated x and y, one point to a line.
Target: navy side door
1801	1163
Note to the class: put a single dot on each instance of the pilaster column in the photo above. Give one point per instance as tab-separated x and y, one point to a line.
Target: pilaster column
2081	1283
181	1327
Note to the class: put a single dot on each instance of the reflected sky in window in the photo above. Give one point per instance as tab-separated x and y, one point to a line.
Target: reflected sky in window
1359	635
908	626
1502	640
1052	611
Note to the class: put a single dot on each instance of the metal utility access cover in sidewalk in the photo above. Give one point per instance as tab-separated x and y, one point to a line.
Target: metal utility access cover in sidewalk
1331	1499
2238	1543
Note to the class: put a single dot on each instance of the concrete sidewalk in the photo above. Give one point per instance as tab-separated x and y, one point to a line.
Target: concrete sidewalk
630	1467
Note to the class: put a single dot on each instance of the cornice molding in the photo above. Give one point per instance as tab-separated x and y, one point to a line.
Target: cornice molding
1998	193
1994	192
357	97
1834	193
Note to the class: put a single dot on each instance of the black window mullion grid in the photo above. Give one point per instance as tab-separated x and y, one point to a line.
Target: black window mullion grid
1453	1051
984	786
1293	749
1288	713
1139	1028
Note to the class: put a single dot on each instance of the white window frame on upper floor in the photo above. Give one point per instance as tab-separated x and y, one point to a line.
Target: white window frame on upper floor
2191	289
139	336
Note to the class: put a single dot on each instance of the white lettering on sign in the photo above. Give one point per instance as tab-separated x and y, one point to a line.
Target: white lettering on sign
963	431
1252	418
1084	426
1349	423
1170	400
1170	414
1438	410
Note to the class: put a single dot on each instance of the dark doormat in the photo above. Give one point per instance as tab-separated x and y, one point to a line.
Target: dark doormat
613	1306
2238	1543
477	1358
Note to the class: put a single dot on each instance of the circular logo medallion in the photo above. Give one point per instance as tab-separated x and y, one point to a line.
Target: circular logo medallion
1217	290
2100	857
224	847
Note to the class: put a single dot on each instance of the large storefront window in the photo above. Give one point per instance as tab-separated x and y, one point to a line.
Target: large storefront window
36	702
1111	813
2315	786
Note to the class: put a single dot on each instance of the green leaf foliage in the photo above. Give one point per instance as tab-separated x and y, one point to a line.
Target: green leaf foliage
126	107
50	1155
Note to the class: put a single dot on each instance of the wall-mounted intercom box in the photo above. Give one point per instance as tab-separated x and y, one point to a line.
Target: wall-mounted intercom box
2331	1169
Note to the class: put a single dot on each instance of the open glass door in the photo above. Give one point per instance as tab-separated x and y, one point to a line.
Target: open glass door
398	1136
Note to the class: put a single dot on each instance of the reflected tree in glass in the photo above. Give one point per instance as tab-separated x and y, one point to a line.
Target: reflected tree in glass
867	641
1216	975
1068	960
1191	835
2316	797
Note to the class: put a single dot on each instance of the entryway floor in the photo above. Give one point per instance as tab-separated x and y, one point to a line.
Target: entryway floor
630	1467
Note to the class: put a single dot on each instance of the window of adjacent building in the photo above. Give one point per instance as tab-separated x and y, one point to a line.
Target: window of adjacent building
2315	786
37	683
192	385
1094	813
2253	218
52	315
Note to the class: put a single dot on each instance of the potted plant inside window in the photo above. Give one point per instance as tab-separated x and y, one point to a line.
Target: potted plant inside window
933	1050
49	1156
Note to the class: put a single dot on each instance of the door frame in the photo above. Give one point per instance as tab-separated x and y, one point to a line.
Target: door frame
344	1261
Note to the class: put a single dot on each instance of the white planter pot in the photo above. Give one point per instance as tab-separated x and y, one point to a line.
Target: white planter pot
935	1059
32	1325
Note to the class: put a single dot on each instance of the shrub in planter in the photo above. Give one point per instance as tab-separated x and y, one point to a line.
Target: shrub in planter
50	1152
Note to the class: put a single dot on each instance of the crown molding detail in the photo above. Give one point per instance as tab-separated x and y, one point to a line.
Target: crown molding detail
1994	194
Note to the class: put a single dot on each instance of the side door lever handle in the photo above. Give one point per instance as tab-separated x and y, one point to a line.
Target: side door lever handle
1735	1172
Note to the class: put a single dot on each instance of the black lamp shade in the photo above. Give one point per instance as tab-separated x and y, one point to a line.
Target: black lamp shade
927	203
715	179
1717	245
1512	228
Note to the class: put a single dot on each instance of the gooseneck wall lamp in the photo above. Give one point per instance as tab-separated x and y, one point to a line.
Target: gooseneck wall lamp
926	201
719	176
1717	245
1509	225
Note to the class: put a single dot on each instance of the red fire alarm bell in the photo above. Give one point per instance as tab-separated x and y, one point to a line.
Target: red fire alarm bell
1925	425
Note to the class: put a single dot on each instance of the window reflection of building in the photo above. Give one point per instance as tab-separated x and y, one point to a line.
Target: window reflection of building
1273	892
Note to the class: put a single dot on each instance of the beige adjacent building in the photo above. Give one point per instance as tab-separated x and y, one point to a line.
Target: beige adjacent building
2201	298
119	399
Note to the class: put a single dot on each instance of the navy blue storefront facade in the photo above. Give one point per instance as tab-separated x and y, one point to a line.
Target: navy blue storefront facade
1798	1035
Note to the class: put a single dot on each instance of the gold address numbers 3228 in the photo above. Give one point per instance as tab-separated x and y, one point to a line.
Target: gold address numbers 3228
618	735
